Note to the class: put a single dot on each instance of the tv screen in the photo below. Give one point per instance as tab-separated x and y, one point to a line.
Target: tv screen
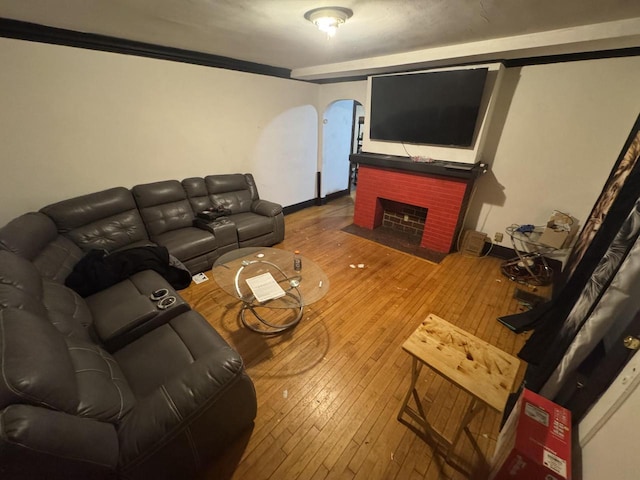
435	108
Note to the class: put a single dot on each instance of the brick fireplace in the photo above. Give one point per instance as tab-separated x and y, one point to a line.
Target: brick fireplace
444	197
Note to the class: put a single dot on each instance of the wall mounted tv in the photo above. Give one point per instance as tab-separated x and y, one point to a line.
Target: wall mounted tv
434	108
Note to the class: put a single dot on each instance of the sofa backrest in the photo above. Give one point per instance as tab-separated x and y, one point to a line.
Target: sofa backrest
36	365
233	191
163	206
48	357
197	193
34	236
106	220
41	367
21	286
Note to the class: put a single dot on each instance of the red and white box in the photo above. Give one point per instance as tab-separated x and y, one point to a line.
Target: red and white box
535	442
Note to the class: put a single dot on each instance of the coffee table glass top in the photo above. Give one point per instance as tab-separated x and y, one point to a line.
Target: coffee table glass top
232	270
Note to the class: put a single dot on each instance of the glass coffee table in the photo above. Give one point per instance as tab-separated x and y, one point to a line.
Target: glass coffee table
275	315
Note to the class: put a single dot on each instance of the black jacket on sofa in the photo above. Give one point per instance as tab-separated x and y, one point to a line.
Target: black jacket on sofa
98	269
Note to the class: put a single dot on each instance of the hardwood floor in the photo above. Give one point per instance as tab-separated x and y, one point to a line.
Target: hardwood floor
329	390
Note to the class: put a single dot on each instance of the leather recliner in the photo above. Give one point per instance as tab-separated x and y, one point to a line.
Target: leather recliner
169	220
258	222
160	406
108	386
164	213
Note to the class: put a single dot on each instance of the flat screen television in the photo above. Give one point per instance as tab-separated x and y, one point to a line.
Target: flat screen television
433	108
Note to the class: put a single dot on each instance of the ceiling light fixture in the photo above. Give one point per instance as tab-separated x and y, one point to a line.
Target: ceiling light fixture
328	19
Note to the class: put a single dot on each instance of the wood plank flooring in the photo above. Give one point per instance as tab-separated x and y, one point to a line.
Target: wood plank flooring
329	390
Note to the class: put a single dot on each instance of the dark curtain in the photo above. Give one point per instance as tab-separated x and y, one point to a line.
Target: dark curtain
601	247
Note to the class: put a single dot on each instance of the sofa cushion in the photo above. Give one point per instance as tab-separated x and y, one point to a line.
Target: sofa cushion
197	193
35	363
192	401
182	340
103	390
187	243
22	287
34	236
20	284
231	191
164	206
28	234
251	225
106	220
66	310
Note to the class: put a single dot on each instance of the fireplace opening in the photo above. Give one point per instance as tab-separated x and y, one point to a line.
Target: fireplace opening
400	226
401	222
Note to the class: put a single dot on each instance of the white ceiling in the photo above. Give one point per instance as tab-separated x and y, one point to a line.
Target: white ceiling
275	32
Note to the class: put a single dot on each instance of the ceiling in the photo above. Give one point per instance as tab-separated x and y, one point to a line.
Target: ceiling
275	32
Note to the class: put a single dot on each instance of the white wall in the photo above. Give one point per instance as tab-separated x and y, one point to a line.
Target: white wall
74	121
331	92
555	134
336	146
610	432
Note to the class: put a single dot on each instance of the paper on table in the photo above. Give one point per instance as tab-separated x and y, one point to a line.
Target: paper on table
265	287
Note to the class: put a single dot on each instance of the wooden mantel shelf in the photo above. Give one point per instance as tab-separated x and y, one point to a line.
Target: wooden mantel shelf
435	167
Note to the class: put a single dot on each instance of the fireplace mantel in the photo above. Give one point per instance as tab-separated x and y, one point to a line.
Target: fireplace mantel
433	167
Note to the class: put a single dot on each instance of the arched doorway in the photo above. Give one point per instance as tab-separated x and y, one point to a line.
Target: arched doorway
341	136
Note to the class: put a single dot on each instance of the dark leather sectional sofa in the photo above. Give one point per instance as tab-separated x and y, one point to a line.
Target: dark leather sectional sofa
111	386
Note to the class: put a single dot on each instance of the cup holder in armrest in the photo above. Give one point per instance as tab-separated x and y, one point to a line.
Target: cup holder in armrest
166	302
159	294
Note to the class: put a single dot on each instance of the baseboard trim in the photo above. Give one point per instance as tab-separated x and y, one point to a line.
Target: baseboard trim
499	251
299	206
314	202
335	195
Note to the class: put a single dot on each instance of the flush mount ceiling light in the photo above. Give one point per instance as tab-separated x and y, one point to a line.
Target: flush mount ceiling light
328	19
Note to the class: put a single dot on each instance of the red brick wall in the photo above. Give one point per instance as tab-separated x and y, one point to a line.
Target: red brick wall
441	196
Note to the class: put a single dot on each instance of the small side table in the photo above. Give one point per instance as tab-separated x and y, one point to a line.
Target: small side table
480	369
529	266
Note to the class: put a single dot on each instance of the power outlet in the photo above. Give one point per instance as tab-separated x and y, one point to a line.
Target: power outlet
406	218
498	237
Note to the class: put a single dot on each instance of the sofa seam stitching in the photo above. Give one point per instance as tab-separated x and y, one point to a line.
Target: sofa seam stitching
174	409
142	457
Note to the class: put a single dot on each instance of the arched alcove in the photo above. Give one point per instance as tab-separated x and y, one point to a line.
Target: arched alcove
339	139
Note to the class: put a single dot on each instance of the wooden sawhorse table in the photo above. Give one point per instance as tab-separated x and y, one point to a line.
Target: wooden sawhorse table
475	366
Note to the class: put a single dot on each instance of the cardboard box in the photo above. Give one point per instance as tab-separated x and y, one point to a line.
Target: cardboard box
535	442
559	231
473	242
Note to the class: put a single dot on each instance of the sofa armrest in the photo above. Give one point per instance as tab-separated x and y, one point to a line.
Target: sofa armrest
37	442
124	316
124	312
266	208
198	412
222	228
